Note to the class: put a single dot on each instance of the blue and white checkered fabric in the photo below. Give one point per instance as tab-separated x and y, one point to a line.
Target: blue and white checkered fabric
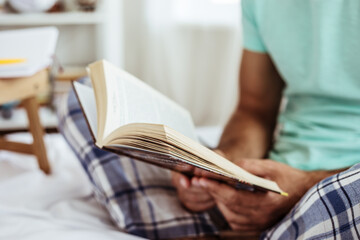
330	210
142	201
139	196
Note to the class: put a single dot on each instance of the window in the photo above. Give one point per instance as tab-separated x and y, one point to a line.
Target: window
218	12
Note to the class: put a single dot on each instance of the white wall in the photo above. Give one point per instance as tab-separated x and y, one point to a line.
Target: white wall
189	58
193	61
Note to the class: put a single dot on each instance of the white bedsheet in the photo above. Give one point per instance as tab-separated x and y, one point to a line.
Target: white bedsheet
59	206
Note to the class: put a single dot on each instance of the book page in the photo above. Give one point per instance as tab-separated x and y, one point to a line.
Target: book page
129	100
87	101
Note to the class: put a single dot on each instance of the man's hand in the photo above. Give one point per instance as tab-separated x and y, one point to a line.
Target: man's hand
191	195
256	211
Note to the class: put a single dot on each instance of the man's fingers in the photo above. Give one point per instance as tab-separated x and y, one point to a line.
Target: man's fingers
259	167
239	200
199	207
254	166
180	180
231	217
204	173
186	168
194	196
196	201
222	192
237	221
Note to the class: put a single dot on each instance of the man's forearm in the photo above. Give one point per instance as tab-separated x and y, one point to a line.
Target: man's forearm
249	132
309	179
246	135
316	176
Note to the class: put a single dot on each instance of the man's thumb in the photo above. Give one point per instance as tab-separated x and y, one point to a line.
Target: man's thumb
258	167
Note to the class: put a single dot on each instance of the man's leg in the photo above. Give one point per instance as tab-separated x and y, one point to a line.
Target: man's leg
139	197
330	210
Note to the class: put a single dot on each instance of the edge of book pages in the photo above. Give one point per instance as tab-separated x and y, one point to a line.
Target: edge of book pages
174	163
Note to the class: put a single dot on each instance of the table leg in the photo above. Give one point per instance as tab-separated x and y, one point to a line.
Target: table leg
37	131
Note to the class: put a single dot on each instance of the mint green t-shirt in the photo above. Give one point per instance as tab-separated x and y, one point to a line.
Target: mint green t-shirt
315	45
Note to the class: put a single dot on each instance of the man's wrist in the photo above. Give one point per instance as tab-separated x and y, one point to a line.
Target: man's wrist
316	176
228	154
220	152
231	153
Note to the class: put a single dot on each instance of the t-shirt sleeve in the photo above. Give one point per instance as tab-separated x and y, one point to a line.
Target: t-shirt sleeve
251	34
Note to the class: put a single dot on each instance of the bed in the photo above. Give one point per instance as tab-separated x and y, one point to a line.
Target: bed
61	205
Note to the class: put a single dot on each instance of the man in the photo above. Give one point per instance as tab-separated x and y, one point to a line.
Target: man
308	52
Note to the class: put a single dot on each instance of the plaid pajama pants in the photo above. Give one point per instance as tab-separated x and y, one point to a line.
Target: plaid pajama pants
330	210
142	201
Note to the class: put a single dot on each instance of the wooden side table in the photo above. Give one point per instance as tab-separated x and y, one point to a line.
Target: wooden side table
26	90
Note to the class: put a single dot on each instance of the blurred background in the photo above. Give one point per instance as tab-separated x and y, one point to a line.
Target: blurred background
187	49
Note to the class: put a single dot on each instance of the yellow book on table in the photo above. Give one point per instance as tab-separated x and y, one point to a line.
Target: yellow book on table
5	61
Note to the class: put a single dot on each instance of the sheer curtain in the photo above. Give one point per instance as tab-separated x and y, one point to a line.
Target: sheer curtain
187	49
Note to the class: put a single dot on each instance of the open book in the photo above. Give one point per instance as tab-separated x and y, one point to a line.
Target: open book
128	117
